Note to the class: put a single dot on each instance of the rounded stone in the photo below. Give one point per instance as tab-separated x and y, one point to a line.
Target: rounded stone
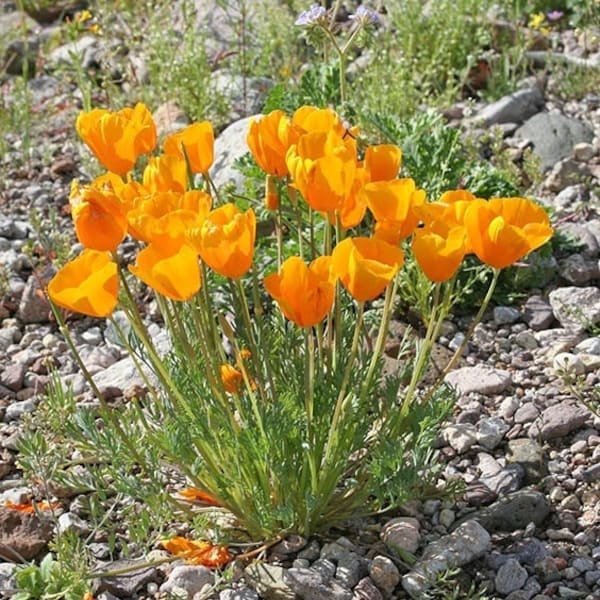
510	577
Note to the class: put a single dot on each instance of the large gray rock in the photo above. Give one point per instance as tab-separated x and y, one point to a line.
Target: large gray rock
514	108
467	543
553	136
229	146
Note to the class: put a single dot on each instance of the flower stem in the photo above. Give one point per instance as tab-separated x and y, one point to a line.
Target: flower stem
458	353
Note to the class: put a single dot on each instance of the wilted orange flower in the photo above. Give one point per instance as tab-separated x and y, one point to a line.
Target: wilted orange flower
393	205
504	230
88	284
226	240
169	268
323	167
198	553
269	139
29	507
365	266
232	379
117	139
165	173
383	162
198	496
198	141
99	216
304	293
271	194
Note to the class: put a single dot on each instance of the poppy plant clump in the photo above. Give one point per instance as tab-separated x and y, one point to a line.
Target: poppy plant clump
271	401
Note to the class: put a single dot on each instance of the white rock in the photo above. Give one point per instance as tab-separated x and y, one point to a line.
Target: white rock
490	432
460	436
576	308
589	346
568	363
467	543
190	579
480	379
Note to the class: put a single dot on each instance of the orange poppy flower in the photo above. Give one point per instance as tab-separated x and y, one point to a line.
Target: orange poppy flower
383	162
353	208
88	284
198	141
99	216
117	139
168	213
169	268
198	553
504	230
304	293
165	173
439	250
226	240
269	139
365	266
323	167
312	119
393	205
451	196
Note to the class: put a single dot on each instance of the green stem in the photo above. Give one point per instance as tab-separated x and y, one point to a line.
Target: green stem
458	353
309	406
381	336
211	187
337	411
423	351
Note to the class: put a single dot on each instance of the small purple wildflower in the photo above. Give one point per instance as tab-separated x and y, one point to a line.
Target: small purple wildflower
365	15
555	15
310	17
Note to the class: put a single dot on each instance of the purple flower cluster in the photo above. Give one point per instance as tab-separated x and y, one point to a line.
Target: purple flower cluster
365	16
312	16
